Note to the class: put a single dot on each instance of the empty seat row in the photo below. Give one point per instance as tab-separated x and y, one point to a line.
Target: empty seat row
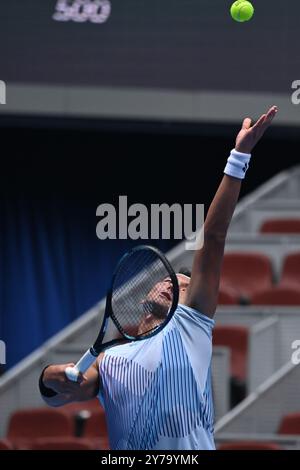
83	444
236	339
281	226
248	278
249	445
289	425
29	426
274	295
52	443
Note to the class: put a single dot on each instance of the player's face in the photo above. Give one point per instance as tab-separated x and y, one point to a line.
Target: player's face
161	295
162	292
159	299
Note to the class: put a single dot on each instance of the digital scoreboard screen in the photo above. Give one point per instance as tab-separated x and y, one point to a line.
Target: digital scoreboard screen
180	46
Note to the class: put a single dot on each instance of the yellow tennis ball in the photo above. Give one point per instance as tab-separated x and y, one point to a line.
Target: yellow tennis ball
242	10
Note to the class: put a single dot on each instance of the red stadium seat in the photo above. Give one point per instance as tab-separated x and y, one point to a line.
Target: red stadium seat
290	424
227	297
96	429
291	270
277	295
67	443
281	226
74	408
249	445
29	424
246	273
235	338
81	412
5	445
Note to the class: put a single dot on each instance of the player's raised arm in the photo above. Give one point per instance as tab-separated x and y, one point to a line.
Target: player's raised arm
205	279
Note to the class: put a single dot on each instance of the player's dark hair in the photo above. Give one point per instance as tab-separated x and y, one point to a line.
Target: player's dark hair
185	271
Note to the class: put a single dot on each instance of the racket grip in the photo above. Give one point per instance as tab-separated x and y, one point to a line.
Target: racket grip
82	365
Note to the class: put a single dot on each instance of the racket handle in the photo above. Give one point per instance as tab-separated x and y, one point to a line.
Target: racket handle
82	365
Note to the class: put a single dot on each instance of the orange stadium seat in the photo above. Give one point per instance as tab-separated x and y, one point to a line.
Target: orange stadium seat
235	338
281	226
249	445
5	445
96	430
74	408
246	273
80	412
29	424
290	424
63	443
290	274
227	296
277	295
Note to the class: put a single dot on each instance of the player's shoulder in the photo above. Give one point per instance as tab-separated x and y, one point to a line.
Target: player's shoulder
119	351
186	313
99	360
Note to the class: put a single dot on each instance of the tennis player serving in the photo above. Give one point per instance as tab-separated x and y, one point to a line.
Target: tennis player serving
157	392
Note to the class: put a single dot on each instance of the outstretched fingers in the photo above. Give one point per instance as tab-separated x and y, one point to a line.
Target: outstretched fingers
246	123
265	120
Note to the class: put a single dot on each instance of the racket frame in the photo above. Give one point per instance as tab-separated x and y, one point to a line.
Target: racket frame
92	353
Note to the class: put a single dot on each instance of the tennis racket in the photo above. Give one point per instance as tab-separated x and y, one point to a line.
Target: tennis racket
141	300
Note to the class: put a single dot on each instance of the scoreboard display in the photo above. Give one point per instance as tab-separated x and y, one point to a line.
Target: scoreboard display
167	45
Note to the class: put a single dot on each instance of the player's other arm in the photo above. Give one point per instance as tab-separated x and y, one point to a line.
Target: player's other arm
204	285
57	390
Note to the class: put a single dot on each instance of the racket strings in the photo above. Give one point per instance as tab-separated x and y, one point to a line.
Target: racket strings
141	300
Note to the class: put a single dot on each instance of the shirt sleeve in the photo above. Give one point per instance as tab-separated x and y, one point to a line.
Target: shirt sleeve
196	333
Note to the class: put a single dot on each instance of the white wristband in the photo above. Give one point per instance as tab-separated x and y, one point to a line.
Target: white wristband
237	164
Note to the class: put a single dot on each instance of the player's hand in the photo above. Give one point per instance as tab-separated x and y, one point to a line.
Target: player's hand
56	379
248	136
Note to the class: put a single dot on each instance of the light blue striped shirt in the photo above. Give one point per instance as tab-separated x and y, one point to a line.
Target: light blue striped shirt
157	392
